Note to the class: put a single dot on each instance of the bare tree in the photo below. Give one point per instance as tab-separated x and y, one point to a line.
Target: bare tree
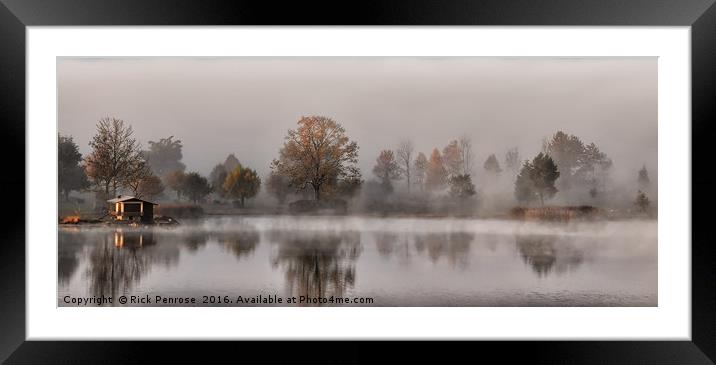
466	155
115	152
512	159
405	158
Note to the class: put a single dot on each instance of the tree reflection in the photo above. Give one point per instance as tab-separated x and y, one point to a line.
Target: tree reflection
545	253
385	242
317	264
454	246
241	242
390	244
121	258
68	250
67	263
195	241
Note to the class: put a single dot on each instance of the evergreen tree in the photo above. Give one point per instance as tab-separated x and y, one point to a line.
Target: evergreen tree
536	179
461	186
643	178
492	165
387	169
642	202
70	174
512	160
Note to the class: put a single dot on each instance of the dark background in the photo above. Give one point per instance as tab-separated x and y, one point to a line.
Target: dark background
16	14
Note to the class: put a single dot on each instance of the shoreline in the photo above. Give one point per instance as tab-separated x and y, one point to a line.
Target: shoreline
502	217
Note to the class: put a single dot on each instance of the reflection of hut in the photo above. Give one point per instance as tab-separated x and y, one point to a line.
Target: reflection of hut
129	208
132	239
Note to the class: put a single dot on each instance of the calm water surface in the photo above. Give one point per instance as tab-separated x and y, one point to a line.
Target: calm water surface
394	261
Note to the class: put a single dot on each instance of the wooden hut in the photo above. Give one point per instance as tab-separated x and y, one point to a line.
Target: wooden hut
129	208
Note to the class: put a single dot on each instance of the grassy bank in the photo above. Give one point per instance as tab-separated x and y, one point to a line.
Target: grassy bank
559	214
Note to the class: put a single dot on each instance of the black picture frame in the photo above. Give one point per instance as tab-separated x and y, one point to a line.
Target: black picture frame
700	15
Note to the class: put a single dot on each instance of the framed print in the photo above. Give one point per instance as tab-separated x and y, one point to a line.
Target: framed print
393	173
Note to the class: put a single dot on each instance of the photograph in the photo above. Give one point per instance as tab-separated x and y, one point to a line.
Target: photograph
411	181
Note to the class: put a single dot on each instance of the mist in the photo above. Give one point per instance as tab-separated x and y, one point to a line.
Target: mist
217	106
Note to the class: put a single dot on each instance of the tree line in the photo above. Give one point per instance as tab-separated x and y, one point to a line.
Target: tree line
117	163
318	160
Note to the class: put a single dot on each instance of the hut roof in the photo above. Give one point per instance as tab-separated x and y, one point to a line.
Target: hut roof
128	198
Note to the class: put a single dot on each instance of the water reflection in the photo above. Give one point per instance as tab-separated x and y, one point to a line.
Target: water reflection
195	241
119	261
402	263
385	243
317	264
240	243
68	260
544	253
454	246
113	269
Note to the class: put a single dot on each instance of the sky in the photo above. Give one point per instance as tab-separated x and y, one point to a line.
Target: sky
245	105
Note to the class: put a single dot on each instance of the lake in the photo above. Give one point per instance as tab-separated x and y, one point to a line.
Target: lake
369	261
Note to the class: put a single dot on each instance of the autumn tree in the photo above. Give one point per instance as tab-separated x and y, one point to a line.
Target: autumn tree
164	156
491	165
242	183
195	186
114	153
150	187
175	181
435	173
218	174
278	186
404	156
70	174
315	153
536	179
452	158
512	159
643	178
386	169
420	167
231	163
461	186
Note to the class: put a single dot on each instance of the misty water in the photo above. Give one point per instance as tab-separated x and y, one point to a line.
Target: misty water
394	261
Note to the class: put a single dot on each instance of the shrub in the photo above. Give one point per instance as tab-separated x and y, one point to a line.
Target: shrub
332	206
